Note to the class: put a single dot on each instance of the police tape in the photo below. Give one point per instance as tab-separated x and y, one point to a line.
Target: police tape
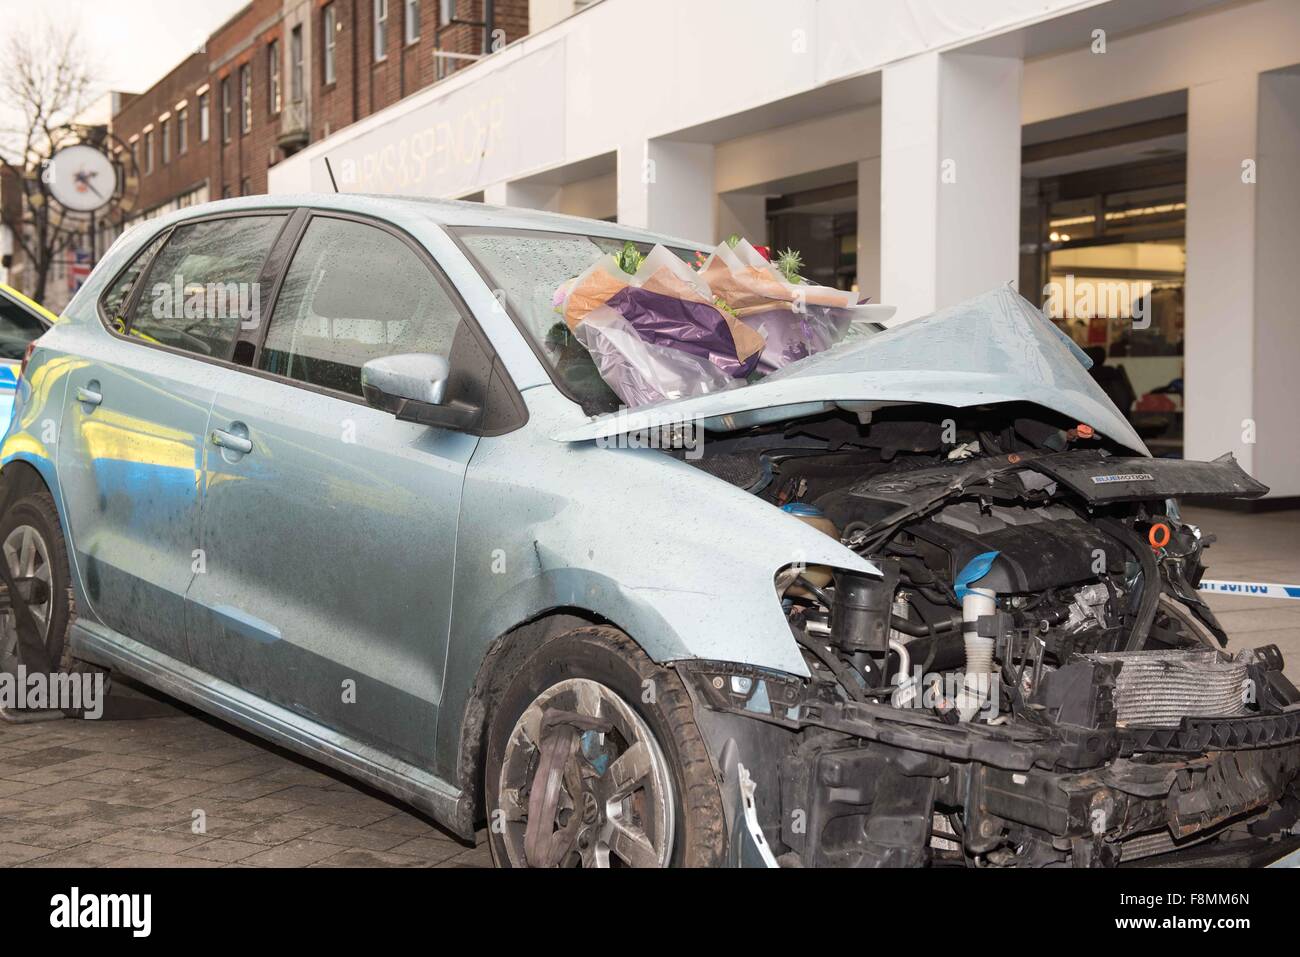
1250	589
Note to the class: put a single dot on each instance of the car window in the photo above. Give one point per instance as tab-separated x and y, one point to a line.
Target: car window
353	293
203	285
18	327
113	302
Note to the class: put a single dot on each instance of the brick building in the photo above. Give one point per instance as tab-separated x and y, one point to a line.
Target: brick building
280	74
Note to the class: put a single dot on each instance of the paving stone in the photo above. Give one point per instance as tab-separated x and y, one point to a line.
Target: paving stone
277	831
357	837
146	839
83	855
46	757
293	854
362	857
156	859
11	854
430	849
224	850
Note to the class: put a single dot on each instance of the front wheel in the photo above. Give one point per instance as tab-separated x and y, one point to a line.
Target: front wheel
594	759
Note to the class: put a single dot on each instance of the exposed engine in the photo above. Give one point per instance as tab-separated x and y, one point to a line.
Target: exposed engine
1031	678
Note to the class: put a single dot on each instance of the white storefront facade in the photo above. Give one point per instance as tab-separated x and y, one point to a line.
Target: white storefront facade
928	148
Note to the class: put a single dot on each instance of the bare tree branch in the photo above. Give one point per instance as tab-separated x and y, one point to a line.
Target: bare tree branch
48	82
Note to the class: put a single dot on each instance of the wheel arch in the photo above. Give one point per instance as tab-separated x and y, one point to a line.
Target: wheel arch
19	476
504	655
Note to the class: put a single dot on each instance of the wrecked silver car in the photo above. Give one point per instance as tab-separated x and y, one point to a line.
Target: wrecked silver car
852	595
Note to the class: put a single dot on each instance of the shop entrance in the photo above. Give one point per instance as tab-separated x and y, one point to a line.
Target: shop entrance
815	214
1103	248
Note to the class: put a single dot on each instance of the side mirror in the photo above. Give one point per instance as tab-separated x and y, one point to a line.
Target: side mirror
413	386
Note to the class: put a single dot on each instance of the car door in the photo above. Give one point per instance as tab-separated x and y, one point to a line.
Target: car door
130	455
330	526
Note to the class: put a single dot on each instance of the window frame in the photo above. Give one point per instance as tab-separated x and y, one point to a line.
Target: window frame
379	30
226	108
274	84
275	267
437	273
329	19
148	152
182	131
165	234
164	141
205	115
246	98
296	59
411	18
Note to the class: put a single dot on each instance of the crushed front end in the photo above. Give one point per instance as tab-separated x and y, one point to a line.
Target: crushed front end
1032	680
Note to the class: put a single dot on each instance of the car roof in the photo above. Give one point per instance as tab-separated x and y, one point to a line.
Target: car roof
31	305
444	212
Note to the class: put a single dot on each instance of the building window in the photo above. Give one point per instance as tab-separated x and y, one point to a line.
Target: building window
226	193
330	20
295	64
164	136
245	187
148	152
274	95
225	109
446	11
205	119
182	130
245	98
381	29
412	20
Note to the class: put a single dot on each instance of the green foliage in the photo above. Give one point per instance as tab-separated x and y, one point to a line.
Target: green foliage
630	258
789	262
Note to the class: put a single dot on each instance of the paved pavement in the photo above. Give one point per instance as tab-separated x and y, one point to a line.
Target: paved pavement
1264	547
128	793
185	790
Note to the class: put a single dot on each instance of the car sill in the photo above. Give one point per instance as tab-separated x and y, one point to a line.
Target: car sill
447	805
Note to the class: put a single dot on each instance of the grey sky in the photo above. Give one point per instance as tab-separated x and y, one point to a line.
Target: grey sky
134	42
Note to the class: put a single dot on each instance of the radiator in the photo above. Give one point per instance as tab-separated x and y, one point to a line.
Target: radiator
1160	688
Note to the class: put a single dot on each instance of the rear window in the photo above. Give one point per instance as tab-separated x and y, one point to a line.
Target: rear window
526	268
18	327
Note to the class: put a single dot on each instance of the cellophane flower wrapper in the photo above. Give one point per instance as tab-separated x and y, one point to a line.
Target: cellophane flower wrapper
789	335
680	343
641	371
794	319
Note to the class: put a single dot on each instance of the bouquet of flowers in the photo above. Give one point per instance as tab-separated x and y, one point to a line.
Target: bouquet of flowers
658	329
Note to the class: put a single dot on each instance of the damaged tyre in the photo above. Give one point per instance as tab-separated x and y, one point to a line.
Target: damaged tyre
594	760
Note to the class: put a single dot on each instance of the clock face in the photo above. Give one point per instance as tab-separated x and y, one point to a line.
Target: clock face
81	178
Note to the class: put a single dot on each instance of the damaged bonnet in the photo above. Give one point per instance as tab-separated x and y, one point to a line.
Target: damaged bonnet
991	349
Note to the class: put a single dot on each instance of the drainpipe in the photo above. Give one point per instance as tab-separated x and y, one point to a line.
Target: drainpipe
489	24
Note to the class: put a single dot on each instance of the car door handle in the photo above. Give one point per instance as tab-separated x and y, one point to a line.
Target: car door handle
228	440
89	396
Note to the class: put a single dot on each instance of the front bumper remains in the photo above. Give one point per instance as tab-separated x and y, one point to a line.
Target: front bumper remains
866	785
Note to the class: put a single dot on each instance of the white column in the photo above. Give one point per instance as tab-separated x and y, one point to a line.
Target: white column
869	228
950	178
523	195
1219	301
1277	333
667	186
